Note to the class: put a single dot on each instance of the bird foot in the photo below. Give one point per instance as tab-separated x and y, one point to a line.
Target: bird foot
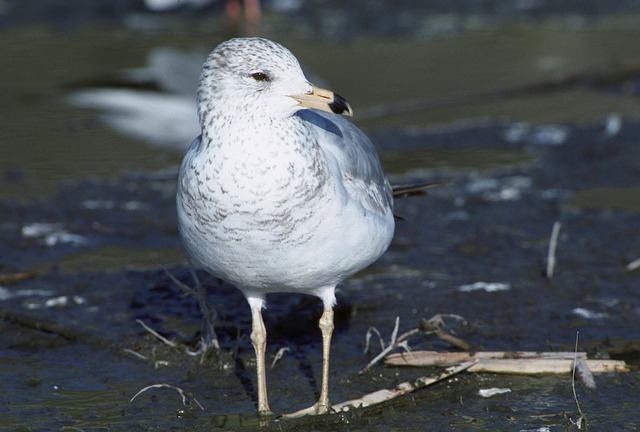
316	409
265	413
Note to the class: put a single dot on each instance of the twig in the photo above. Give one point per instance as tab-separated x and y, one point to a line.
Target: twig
135	353
544	366
209	338
9	278
279	355
509	362
187	397
394	333
551	253
157	335
368	339
433	325
582	420
442	359
395	342
385	395
436	325
401	389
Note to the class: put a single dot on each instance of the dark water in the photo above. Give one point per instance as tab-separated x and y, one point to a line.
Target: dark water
527	118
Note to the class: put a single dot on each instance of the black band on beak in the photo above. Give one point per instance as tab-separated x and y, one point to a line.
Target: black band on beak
340	105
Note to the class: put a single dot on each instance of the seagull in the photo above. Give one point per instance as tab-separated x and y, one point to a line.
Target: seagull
280	192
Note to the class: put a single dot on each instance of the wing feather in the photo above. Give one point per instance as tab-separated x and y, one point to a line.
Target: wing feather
356	158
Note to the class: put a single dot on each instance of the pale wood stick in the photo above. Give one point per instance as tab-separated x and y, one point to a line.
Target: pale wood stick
385	395
544	366
401	389
518	362
436	358
553	244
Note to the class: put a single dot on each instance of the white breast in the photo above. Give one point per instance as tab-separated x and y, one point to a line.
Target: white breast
274	218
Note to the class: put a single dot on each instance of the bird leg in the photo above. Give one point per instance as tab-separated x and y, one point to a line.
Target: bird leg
326	327
322	406
259	342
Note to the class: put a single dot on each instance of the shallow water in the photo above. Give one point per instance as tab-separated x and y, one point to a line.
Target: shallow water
524	123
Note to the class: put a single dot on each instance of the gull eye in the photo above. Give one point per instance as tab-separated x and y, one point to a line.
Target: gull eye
259	76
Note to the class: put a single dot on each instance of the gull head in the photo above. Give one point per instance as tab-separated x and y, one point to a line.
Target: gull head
255	76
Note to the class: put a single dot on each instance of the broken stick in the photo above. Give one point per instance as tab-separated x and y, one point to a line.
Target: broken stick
512	362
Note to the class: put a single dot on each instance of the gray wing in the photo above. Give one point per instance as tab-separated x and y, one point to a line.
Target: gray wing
362	174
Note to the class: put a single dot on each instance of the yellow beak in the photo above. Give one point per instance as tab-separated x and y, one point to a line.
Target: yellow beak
324	100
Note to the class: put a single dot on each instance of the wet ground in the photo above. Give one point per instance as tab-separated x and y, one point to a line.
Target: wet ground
528	116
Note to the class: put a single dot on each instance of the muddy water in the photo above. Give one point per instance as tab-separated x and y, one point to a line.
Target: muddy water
517	121
49	141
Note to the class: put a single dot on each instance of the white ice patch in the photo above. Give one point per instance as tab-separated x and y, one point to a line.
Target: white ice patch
586	313
539	135
486	286
59	301
613	125
7	294
110	204
134	205
487	393
500	189
51	234
98	204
